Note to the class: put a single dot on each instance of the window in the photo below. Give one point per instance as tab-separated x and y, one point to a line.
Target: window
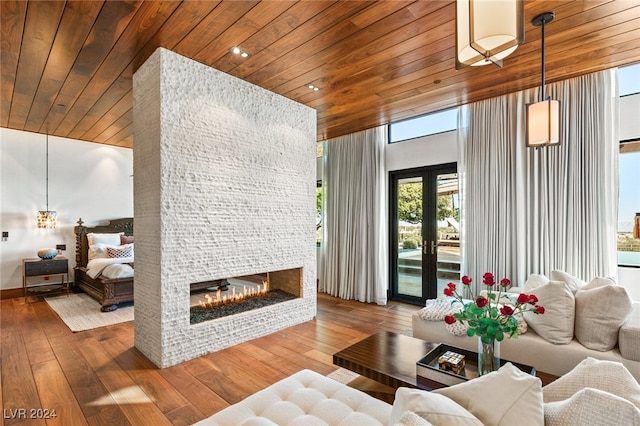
629	168
629	80
628	208
430	124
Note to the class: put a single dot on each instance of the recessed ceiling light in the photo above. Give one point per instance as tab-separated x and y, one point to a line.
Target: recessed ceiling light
311	86
314	88
244	54
236	50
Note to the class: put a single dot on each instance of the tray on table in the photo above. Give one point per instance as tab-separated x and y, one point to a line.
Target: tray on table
428	373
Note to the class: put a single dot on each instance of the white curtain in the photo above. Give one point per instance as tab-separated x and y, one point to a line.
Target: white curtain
529	210
353	257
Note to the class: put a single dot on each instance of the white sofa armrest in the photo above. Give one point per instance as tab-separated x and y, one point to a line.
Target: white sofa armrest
629	335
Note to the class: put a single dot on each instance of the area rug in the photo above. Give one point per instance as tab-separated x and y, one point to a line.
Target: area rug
82	312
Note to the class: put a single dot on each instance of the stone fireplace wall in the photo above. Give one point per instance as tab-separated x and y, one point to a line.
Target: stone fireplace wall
224	186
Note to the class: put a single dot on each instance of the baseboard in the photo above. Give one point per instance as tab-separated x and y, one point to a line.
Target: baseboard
11	293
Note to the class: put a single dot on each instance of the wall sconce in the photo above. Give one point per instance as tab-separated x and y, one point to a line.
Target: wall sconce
47	218
487	31
543	117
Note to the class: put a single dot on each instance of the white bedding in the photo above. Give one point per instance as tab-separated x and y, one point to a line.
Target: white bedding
110	267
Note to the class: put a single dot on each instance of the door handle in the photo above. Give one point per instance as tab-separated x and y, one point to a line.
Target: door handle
433	247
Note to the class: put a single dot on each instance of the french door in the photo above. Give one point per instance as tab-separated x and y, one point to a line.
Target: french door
424	232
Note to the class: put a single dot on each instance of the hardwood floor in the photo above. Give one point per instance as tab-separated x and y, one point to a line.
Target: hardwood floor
97	377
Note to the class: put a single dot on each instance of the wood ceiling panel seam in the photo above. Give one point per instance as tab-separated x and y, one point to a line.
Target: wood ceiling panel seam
50	85
293	18
120	108
34	53
242	29
168	30
376	31
112	66
375	68
111	97
311	28
206	30
14	15
95	45
311	50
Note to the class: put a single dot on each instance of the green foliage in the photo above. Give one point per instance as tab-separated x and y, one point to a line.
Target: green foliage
410	244
319	200
410	202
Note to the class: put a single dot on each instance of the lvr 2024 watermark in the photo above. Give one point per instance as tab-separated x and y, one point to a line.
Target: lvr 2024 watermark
29	413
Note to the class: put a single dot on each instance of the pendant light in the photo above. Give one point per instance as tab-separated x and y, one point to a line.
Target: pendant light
47	218
487	31
543	117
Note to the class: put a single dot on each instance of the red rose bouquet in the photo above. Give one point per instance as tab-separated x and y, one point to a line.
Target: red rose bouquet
486	317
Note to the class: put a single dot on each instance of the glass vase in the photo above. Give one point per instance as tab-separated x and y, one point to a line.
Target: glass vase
488	356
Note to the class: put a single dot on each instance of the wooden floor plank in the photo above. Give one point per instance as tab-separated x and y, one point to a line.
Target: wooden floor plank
99	378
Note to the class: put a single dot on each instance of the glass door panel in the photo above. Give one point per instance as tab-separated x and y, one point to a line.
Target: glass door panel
409	226
424	232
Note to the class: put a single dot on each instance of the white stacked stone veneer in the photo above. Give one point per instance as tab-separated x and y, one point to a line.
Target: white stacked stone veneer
224	186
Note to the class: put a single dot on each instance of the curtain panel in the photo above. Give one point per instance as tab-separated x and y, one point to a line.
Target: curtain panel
527	210
353	251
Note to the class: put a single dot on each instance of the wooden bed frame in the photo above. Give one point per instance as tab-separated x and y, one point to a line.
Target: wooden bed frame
109	292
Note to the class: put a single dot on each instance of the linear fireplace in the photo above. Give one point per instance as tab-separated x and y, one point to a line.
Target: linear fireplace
219	298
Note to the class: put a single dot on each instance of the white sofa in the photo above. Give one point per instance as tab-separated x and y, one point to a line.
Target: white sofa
594	393
531	349
595	319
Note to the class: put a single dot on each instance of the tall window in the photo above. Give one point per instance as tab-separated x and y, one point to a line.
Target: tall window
629	168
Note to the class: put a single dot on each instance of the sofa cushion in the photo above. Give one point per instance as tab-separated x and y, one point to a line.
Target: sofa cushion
592	407
434	408
534	281
556	324
629	335
501	397
574	283
304	398
608	376
600	312
410	418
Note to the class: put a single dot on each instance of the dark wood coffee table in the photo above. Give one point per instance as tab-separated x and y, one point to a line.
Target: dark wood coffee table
390	359
386	357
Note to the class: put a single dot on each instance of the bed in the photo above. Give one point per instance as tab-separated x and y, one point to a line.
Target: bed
94	273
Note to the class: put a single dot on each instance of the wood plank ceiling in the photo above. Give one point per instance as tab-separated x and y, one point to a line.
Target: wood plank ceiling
67	66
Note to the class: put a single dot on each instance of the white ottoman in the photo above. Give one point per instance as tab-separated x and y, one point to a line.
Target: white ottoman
305	398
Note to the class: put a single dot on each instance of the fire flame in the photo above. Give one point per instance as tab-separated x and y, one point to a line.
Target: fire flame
234	296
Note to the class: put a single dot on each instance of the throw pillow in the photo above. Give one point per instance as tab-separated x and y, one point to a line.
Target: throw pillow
556	324
592	407
434	408
574	283
500	398
437	309
412	419
600	312
599	282
609	376
108	239
120	251
126	239
534	281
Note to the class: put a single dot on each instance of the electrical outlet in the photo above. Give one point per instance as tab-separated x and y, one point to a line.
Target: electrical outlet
5	235
61	246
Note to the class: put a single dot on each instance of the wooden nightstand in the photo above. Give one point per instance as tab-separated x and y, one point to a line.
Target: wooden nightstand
56	267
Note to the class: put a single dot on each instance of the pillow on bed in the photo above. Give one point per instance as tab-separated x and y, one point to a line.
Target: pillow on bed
126	239
108	239
97	251
120	251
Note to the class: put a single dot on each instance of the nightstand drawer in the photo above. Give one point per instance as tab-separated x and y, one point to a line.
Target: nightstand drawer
46	267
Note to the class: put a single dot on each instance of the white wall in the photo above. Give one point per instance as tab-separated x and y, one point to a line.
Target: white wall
86	180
